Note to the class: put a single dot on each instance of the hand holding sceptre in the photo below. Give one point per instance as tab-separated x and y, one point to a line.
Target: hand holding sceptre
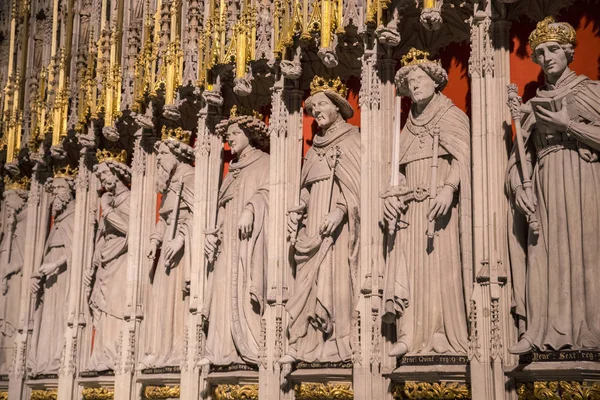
514	103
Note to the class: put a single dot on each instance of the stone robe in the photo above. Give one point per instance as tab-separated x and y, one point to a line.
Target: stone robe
166	297
427	281
107	299
235	293
325	290
556	273
12	254
50	320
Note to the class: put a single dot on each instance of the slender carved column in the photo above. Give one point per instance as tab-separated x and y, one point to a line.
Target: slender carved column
142	203
489	317
376	102
38	211
82	250
208	167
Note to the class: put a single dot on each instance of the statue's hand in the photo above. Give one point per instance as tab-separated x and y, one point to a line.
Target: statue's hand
331	222
441	204
294	217
153	250
559	121
245	224
172	248
392	208
35	284
87	277
106	201
48	269
4	286
211	245
524	204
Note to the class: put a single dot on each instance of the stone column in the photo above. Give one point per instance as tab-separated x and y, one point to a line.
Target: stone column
490	325
82	251
376	106
38	217
208	168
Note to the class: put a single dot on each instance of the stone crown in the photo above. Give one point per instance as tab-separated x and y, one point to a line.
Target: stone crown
416	57
548	30
111	155
320	84
16	184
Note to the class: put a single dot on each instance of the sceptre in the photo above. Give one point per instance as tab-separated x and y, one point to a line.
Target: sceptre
514	104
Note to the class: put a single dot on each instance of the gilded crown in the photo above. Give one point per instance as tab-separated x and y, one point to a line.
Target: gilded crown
239	111
548	30
16	184
416	57
65	172
177	134
320	84
111	155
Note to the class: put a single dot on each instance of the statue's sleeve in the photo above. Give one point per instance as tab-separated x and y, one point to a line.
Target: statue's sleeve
587	133
159	230
453	175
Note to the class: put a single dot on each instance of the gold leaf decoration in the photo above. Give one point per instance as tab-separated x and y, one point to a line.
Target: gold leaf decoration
3	395
161	392
236	392
99	393
559	390
431	390
324	391
44	394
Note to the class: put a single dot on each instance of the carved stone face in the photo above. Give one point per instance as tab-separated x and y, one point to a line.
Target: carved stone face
421	86
551	57
237	139
62	195
14	201
165	167
107	178
324	111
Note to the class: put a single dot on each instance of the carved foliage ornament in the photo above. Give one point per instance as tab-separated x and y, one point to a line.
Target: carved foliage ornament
44	394
98	394
236	392
427	390
3	395
324	391
559	390
161	392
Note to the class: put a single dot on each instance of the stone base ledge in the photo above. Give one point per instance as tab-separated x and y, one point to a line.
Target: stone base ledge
555	371
233	377
429	373
321	375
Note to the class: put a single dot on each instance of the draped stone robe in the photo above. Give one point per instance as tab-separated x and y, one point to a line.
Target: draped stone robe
427	281
50	320
11	264
107	299
235	292
556	273
166	298
325	290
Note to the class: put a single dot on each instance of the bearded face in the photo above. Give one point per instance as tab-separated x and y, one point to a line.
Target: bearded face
14	202
61	196
107	178
165	163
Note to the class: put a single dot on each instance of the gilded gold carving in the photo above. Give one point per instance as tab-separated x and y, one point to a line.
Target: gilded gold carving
161	392
44	394
236	392
435	390
98	393
3	395
324	391
559	390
